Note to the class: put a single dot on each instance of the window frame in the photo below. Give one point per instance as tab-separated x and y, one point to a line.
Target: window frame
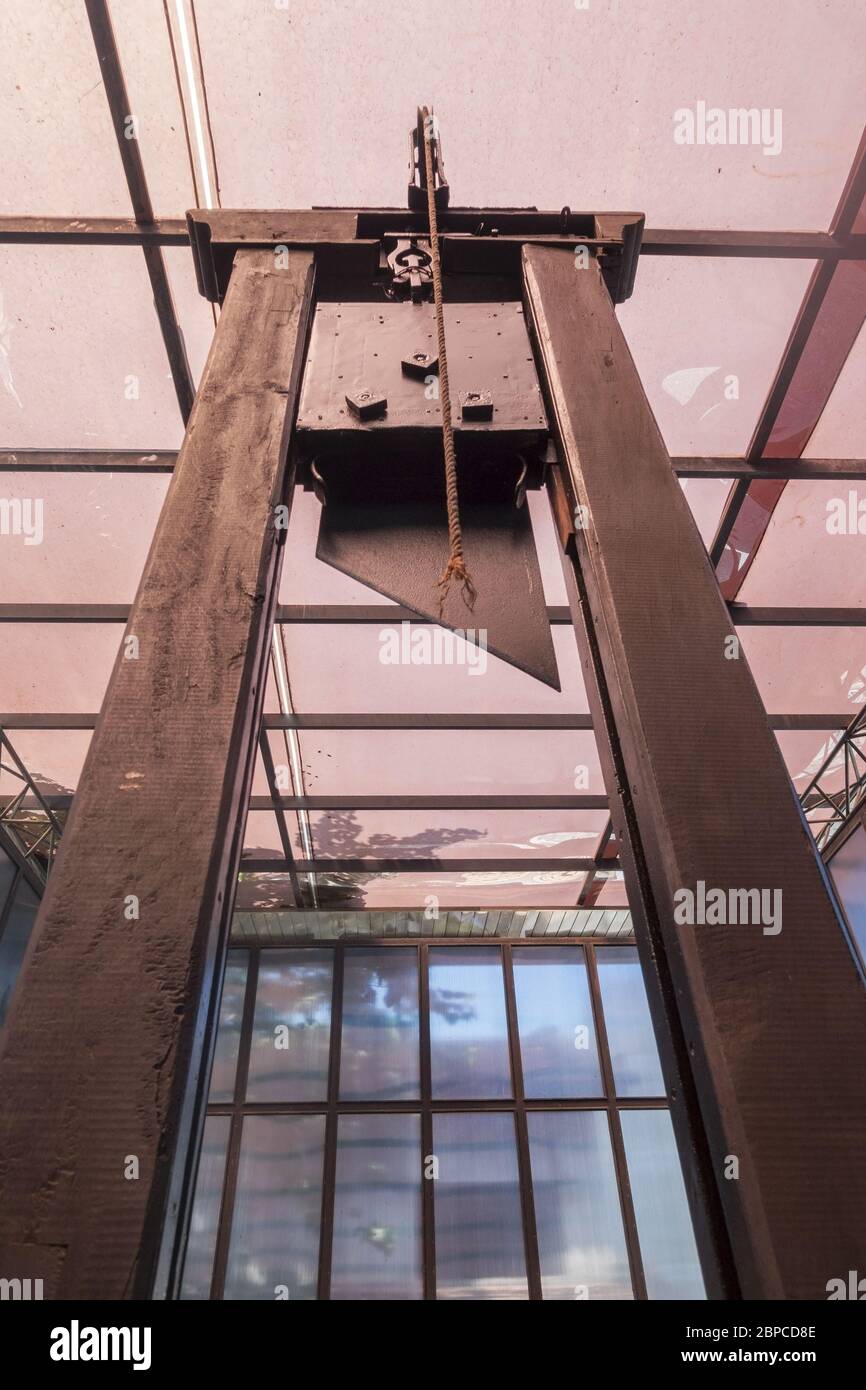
518	1104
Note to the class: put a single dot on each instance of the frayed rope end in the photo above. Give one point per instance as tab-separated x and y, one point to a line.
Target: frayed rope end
456	569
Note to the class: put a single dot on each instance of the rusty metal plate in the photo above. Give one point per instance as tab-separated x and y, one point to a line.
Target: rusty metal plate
361	347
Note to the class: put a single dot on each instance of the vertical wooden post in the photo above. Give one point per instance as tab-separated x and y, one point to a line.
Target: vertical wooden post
112	1013
771	1016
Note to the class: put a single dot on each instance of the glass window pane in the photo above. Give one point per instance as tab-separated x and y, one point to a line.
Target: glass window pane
7	874
468	1028
479	1232
554	1015
633	1052
201	1242
274	1250
667	1242
581	1242
848	871
377	1209
225	1062
379	1048
13	942
292	1026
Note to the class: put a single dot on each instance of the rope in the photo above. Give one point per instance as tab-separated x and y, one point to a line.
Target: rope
456	566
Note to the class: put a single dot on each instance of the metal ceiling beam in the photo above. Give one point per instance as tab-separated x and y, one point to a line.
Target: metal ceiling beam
812	246
130	155
430	723
93	231
745	615
131	934
375	867
162	461
62	801
376	614
828	323
86	461
583	801
700	797
172	231
811	470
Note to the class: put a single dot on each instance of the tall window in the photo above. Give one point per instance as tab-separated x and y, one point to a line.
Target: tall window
392	1120
19	904
848	871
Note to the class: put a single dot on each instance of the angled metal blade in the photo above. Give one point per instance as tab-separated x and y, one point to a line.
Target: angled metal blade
400	552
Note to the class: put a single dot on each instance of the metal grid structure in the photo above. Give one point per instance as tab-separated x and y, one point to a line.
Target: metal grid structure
611	1101
27	817
829	806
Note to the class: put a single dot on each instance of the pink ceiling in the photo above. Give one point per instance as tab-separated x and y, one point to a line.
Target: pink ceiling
577	109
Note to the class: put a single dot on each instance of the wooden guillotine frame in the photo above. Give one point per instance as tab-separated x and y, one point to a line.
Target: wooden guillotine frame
762	1033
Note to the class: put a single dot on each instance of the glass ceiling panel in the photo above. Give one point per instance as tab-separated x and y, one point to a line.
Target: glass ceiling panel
612	77
707	335
543	762
456	834
194	314
141	33
262	836
87	368
840	431
335	668
60	155
526	889
815	670
612	893
56	668
707	498
53	757
260	779
812	552
95	530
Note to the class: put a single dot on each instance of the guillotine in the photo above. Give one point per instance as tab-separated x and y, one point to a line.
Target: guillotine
326	372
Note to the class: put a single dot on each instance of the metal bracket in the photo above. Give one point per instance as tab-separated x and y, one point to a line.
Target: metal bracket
417	200
411	266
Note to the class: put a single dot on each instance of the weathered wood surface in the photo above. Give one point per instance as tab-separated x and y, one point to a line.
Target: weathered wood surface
774	1025
106	1025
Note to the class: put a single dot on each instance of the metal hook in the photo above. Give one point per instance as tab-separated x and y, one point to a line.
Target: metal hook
520	485
318	483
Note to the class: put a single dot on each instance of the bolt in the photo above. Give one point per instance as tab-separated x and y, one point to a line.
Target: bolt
366	404
419	364
476	405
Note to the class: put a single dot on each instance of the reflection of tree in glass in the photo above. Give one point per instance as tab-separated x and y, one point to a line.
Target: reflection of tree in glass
301	1001
380	1237
380	995
338	835
454	1005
